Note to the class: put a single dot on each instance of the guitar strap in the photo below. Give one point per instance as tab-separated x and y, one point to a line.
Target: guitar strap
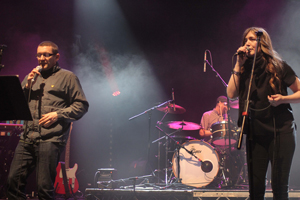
65	179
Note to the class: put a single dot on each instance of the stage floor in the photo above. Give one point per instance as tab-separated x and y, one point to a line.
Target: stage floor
151	193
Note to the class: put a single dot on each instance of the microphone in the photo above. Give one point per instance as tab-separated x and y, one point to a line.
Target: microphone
173	99
39	68
259	33
206	166
242	52
204	69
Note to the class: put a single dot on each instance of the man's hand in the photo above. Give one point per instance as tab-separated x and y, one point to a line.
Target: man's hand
48	119
31	75
204	133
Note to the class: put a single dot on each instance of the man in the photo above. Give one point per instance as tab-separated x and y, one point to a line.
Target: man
55	100
218	114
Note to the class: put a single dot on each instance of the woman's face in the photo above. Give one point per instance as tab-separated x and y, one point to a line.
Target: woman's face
250	43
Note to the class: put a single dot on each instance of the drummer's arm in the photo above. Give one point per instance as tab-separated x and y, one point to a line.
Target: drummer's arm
204	133
204	124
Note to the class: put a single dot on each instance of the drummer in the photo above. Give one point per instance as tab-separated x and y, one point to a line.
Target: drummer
218	114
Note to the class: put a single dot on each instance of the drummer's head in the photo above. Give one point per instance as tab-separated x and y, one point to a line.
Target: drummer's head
222	103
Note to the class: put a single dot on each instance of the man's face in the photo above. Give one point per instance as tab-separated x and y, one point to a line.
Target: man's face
46	58
223	106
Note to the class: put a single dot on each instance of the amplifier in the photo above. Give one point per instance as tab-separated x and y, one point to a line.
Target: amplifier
104	178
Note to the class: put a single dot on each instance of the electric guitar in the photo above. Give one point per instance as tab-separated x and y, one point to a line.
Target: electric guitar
66	175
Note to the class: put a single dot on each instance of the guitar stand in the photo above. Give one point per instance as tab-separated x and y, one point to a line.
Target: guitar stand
69	195
74	196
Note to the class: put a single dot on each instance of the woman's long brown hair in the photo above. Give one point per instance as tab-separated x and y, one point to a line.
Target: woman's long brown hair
272	58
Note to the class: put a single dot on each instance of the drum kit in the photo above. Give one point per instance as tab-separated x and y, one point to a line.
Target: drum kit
199	163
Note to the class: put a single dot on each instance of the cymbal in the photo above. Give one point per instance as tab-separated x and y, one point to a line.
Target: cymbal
170	109
234	104
188	126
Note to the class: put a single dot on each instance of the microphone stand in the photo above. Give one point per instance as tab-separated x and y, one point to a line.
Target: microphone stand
217	74
150	109
228	113
246	114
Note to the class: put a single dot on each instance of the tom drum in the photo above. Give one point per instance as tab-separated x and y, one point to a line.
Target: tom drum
220	135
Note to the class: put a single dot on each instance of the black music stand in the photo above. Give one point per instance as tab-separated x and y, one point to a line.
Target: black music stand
13	105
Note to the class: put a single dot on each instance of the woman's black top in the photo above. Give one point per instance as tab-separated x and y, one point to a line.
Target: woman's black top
263	118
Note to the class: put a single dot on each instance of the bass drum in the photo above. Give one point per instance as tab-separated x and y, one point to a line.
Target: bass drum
193	172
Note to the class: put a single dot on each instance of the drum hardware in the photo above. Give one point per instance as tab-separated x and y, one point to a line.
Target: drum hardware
167	136
181	139
206	164
149	112
179	126
224	135
229	168
242	180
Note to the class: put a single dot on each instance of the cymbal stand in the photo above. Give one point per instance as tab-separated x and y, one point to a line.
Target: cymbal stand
149	119
178	157
159	146
167	136
222	164
242	180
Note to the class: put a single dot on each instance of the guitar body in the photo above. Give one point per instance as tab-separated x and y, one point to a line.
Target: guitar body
65	180
59	184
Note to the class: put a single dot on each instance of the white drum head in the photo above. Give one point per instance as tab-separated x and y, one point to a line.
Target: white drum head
192	171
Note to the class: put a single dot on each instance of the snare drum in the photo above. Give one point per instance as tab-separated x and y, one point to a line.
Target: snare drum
220	136
192	171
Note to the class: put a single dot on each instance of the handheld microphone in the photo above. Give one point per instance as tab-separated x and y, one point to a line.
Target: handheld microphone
242	52
39	68
204	69
173	99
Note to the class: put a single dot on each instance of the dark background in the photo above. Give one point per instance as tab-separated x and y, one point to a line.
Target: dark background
148	48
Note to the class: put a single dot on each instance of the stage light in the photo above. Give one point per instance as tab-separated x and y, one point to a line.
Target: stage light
116	93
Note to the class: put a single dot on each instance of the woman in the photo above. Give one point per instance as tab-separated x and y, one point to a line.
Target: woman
270	118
